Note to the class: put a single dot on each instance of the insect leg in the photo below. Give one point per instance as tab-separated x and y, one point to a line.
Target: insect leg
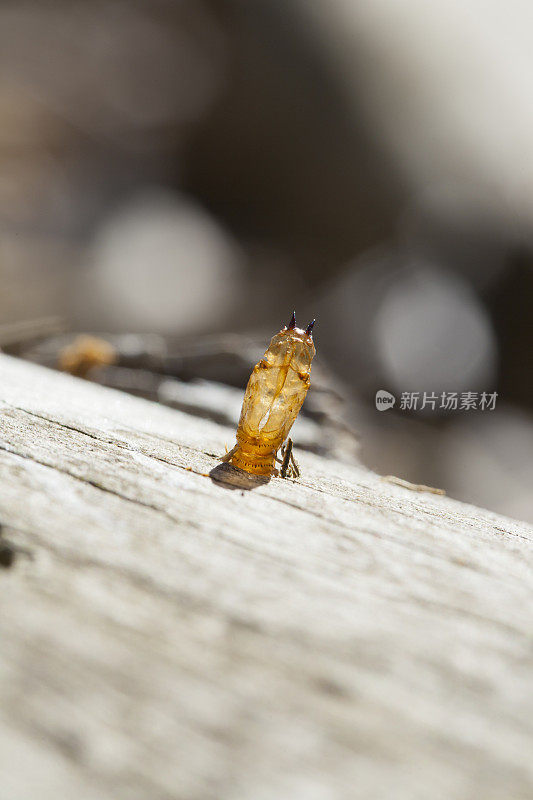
289	465
281	451
295	469
285	464
228	455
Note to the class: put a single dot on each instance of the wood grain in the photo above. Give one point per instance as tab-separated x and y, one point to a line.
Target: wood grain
167	633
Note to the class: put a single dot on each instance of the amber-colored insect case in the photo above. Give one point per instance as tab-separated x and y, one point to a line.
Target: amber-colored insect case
273	398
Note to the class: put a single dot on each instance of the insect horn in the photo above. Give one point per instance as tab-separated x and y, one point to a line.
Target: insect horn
309	329
292	323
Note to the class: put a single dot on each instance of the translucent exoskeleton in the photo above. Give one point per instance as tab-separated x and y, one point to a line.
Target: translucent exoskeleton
273	398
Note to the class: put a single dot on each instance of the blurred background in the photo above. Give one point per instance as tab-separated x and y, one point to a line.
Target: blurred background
194	168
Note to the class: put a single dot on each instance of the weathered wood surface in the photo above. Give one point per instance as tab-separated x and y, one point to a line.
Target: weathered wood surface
164	636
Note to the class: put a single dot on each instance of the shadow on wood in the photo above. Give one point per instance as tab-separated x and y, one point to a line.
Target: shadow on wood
233	478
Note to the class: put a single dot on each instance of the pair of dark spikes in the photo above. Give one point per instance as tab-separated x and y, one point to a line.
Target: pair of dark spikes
292	324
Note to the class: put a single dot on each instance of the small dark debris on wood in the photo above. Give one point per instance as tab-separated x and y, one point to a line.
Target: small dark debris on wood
7	555
9	551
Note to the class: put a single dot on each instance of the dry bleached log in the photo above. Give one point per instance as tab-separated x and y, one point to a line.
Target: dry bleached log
166	636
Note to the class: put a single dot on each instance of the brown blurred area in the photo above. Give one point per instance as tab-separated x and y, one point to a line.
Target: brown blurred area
205	166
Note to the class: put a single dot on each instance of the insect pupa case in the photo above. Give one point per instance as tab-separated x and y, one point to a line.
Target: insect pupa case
273	398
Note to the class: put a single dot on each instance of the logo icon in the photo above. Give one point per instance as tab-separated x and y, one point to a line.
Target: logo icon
384	400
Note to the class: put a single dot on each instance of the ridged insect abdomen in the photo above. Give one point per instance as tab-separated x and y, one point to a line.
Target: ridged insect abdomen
274	395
